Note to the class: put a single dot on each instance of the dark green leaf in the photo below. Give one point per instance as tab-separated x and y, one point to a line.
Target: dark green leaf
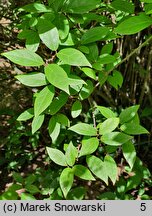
128	114
123	5
103	76
62	24
94	34
36	8
133	129
48	34
79	7
77	193
86	90
107	196
58	103
116	80
63	119
106	59
83	172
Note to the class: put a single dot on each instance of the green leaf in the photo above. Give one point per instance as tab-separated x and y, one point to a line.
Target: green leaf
146	1
26	115
116	80
102	77
71	154
66	180
89	146
10	193
48	34
54	128
34	79
123	5
136	179
111	168
134	24
106	112
27	196
73	57
94	34
71	40
32	189
30	179
106	59
79	7
43	99
108	125
75	80
84	49
62	24
37	123
58	103
32	39
36	8
63	119
18	178
84	129
86	90
107	48
97	167
77	193
56	156
107	196
32	43
133	129
76	109
83	172
128	114
129	153
56	5
89	72
115	138
24	57
57	77
93	52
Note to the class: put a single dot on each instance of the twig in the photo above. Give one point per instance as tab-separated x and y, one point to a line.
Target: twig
93	115
127	57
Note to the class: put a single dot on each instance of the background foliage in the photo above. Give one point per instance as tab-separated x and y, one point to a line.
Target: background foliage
85	132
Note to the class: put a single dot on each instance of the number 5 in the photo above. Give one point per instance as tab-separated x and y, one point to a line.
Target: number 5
143	206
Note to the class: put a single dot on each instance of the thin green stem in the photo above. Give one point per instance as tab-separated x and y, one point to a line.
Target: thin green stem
128	57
